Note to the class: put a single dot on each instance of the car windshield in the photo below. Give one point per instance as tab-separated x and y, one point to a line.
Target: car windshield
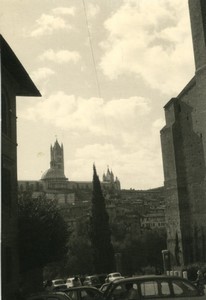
58	282
116	274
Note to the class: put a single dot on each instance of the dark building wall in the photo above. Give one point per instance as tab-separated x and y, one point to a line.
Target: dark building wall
184	155
9	187
14	82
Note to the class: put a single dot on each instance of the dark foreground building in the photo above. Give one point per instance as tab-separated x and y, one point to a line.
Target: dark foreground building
14	82
184	155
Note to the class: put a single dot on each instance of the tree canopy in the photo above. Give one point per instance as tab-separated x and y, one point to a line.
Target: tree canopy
103	253
43	233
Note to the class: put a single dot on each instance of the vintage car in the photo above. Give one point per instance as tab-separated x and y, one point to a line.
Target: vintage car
152	287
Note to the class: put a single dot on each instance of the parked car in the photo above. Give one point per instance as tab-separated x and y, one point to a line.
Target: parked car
92	280
49	296
58	283
73	281
83	293
112	276
152	287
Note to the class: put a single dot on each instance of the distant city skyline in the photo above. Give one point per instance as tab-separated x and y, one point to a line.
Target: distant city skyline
105	70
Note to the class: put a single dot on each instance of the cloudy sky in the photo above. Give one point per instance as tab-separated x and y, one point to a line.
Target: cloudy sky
105	70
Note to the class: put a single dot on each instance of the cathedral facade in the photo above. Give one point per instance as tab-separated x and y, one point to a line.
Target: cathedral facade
55	185
183	142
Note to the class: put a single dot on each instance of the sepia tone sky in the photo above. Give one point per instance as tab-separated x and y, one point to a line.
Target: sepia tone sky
105	70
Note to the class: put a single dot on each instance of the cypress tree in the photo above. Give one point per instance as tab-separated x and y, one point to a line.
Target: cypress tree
103	252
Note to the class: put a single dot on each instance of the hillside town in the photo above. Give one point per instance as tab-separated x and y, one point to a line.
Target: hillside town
67	239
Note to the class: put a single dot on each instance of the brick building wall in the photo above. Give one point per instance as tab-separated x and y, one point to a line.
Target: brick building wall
14	82
184	155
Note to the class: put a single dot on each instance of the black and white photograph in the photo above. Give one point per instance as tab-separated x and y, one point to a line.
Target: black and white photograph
103	149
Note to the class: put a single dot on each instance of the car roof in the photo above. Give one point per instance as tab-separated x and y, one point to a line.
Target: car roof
149	277
44	294
58	279
82	287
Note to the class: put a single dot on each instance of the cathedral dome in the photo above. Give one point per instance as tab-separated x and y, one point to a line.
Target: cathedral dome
53	174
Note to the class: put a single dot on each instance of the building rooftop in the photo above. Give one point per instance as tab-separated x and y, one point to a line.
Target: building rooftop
25	86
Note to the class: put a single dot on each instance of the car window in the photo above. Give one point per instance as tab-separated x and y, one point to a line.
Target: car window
58	282
149	288
164	288
118	292
72	294
88	294
184	289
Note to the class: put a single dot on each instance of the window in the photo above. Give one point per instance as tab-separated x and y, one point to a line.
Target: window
73	295
119	291
88	294
149	288
164	288
184	289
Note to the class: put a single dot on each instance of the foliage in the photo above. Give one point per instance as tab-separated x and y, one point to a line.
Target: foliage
103	253
193	268
153	243
79	256
43	233
139	252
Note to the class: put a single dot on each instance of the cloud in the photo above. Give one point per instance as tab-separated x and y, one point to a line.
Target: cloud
42	73
64	11
47	24
151	39
130	165
93	115
61	56
119	133
92	10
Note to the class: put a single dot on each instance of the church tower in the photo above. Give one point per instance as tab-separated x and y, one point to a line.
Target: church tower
57	156
54	177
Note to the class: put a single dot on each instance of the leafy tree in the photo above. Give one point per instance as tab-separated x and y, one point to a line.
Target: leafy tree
79	259
103	252
79	256
43	233
139	252
153	243
133	256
